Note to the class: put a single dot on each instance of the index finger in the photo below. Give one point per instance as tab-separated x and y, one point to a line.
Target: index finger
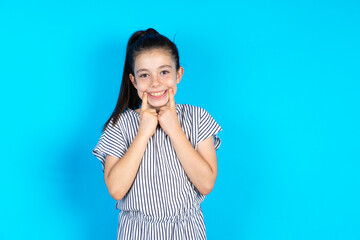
144	104
171	99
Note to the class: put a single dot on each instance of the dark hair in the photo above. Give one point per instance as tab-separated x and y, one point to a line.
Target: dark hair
139	41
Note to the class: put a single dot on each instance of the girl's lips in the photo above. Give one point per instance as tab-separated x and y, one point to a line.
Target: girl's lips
157	95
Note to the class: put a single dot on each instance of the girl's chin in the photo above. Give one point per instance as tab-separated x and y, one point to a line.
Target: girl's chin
158	105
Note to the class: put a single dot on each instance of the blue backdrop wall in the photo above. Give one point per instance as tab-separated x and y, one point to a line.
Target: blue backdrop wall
282	78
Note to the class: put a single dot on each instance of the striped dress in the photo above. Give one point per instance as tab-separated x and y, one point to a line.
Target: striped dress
162	203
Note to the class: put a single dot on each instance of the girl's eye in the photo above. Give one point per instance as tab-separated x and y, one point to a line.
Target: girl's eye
164	72
144	75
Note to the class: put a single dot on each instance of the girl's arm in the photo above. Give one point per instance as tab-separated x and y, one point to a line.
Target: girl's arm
200	165
119	174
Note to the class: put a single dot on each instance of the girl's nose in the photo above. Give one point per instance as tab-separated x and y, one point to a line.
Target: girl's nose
155	81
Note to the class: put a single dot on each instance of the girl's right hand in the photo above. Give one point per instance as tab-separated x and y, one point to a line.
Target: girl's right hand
148	118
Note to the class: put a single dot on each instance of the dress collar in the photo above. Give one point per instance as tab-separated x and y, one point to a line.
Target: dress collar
177	108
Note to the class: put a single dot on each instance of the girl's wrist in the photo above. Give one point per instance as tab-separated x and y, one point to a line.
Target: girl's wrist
143	136
176	132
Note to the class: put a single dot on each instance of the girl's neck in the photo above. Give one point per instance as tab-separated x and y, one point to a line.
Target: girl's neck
156	108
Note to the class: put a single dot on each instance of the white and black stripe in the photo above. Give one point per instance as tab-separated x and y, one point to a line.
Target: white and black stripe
162	202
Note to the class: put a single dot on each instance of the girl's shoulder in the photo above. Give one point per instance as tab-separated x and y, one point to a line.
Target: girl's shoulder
125	118
187	109
130	113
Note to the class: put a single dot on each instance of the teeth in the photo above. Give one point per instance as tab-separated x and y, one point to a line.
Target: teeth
156	94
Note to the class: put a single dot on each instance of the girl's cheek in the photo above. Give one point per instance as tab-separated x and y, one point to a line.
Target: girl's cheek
142	86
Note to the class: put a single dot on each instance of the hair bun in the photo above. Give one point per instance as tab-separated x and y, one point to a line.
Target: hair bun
140	34
150	31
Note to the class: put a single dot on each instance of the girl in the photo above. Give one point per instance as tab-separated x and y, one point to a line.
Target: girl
158	157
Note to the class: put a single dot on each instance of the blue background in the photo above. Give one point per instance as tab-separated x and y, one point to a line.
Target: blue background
281	77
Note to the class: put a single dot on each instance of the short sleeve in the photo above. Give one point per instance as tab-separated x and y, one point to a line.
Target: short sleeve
111	143
208	127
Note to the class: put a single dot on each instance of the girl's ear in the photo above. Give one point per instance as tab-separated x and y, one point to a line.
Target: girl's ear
132	79
179	75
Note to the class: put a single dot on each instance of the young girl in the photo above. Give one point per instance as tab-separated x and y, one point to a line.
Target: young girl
158	157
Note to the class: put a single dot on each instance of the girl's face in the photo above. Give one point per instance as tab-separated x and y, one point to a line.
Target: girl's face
155	73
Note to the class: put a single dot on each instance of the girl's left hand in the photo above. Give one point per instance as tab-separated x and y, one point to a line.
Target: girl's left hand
168	118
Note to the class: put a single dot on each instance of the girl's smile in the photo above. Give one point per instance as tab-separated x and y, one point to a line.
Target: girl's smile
155	74
157	94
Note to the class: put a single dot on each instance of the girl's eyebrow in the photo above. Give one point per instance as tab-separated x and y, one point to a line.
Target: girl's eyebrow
141	69
162	66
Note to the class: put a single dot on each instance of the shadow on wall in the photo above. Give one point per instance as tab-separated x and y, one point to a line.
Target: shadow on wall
83	184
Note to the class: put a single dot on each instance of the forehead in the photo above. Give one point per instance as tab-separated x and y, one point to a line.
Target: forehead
153	58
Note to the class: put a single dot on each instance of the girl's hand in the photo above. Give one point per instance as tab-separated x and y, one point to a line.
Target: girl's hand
148	118
168	118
